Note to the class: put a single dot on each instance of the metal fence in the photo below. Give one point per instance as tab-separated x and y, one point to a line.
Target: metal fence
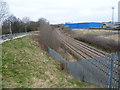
101	71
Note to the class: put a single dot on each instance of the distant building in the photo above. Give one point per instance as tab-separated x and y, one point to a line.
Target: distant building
110	25
86	25
119	11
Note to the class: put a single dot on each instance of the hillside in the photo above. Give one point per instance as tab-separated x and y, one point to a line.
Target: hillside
25	65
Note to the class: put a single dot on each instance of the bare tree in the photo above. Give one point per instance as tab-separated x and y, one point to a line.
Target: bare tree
43	21
26	20
10	20
3	13
3	10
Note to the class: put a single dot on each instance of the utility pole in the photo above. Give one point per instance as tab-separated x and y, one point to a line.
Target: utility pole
0	28
10	29
25	28
113	15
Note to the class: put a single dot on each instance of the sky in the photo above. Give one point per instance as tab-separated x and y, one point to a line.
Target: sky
61	11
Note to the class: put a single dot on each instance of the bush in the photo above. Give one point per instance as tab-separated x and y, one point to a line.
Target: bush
48	37
103	43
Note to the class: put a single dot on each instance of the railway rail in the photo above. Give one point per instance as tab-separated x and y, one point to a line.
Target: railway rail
79	49
82	51
90	57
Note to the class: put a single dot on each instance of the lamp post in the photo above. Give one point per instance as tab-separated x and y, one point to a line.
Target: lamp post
10	29
113	15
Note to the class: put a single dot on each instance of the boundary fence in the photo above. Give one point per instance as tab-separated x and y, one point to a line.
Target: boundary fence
101	71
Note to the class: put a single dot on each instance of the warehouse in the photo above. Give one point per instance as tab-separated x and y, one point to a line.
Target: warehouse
83	25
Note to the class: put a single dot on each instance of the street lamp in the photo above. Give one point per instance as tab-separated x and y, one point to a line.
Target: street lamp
113	15
10	29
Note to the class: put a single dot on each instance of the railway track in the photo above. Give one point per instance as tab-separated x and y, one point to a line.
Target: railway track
79	49
99	59
83	51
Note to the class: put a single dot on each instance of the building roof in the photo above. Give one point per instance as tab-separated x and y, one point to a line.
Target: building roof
81	22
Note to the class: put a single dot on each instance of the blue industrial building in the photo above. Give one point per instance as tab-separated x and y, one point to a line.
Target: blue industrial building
83	25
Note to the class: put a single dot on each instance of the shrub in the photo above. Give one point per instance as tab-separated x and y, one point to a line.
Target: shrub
107	44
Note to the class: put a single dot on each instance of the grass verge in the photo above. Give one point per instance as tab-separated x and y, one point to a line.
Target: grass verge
0	66
25	65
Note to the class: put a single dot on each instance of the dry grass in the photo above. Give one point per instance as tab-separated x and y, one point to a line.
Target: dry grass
101	43
113	37
89	31
67	56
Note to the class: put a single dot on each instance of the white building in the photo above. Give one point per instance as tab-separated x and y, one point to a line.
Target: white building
119	11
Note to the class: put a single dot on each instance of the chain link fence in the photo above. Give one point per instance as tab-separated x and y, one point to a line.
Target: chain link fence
101	71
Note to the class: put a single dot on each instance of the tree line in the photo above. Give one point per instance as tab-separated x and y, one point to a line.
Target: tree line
11	24
18	25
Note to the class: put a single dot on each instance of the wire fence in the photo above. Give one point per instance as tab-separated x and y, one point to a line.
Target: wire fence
101	71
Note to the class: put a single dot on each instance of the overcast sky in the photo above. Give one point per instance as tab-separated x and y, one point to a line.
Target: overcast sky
61	11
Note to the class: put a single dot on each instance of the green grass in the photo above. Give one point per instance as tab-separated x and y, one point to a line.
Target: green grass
0	66
25	65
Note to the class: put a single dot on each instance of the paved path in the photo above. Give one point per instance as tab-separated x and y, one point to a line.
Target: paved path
2	41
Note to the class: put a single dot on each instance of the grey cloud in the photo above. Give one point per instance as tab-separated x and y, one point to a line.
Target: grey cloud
58	11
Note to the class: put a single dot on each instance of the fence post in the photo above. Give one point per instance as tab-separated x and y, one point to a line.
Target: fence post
118	77
110	72
118	69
